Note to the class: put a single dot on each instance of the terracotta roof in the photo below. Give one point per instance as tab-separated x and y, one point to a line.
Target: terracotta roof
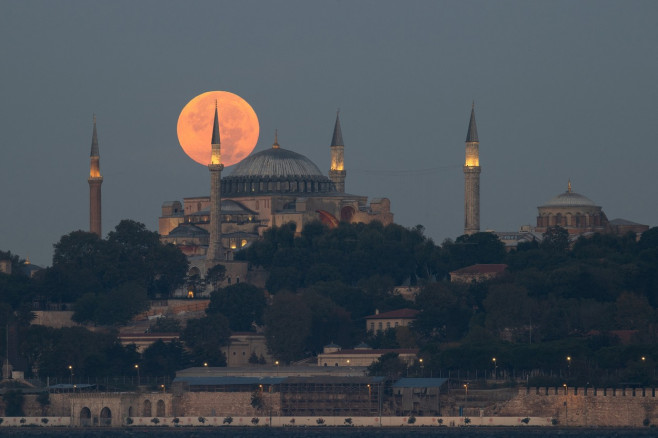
400	313
482	269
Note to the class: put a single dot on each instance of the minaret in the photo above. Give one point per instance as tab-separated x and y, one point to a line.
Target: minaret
337	172
472	178
95	180
214	254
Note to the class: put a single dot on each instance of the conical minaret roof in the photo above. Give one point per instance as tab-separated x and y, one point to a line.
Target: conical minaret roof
472	135
215	128
337	139
94	141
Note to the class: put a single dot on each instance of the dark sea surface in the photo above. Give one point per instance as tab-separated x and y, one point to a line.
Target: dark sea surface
361	432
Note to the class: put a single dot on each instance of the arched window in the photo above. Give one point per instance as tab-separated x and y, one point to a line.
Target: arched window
106	416
85	417
146	410
160	409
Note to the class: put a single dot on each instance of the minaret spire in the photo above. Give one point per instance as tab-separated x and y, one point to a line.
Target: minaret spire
472	134
337	171
95	180
215	250
472	178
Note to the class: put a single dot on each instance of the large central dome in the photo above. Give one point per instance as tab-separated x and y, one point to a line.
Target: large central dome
276	162
279	171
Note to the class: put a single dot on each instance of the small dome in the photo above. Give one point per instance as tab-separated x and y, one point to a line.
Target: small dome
276	162
570	199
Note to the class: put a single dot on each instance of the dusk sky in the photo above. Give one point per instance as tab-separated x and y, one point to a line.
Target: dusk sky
563	90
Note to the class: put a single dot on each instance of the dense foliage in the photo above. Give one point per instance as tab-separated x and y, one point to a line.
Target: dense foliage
593	301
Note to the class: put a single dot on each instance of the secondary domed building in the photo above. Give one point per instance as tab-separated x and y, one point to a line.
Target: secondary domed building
270	188
572	211
580	215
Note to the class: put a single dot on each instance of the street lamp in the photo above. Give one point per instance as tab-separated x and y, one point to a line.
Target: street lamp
71	378
566	408
205	364
422	374
465	393
138	379
276	363
568	365
348	362
495	368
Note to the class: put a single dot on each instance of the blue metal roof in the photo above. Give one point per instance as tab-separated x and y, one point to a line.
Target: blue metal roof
409	382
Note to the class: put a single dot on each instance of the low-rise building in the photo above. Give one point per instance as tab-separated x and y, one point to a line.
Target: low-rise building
477	273
389	320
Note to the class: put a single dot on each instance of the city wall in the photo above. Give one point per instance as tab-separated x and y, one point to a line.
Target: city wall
530	406
584	406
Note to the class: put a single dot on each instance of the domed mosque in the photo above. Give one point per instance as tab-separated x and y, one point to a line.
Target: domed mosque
580	215
270	188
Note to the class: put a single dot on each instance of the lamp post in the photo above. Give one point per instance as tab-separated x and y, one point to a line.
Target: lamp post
422	373
495	368
465	397
566	408
205	364
163	388
71	378
369	397
138	379
568	366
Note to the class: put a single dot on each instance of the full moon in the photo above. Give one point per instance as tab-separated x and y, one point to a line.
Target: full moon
238	127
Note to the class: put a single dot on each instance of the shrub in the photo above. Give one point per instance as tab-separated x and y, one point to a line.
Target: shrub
555	421
202	420
411	420
176	420
646	422
525	420
23	420
228	420
467	420
155	420
348	421
440	421
129	420
44	420
255	420
320	421
292	421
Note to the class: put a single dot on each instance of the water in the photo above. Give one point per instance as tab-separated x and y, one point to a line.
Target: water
311	432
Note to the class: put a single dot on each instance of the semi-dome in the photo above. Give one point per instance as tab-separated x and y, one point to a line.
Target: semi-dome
276	162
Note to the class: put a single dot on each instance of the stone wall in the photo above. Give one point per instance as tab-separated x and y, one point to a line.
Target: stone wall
580	407
236	404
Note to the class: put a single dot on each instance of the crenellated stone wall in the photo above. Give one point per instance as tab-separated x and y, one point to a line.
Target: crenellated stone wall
584	407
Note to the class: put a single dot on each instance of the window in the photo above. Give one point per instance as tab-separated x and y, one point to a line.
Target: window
388	325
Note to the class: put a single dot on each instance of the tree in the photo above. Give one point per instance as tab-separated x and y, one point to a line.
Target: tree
216	275
164	359
287	327
389	365
206	336
241	303
117	306
556	240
